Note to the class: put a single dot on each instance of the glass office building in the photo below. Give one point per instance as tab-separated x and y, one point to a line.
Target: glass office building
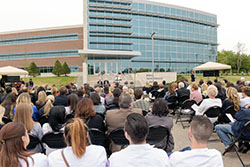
184	38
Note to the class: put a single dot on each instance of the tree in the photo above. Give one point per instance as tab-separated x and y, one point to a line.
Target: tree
33	70
66	69
57	70
240	48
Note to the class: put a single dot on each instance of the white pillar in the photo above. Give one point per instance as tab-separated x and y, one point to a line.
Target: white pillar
105	67
85	69
117	68
94	67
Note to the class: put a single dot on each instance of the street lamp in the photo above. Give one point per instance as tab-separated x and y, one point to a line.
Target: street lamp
153	62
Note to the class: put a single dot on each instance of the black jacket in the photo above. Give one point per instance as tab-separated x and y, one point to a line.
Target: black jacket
60	100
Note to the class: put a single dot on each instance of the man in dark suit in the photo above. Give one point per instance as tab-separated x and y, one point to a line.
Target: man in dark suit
182	91
61	99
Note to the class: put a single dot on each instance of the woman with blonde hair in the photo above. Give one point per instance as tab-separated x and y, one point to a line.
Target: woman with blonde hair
204	89
24	115
14	91
232	99
25	98
41	99
54	91
47	106
78	151
14	140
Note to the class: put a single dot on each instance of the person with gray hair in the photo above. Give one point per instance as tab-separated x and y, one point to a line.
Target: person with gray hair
209	102
182	90
116	118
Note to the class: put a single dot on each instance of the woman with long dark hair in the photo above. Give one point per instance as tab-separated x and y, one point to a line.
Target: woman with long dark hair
14	140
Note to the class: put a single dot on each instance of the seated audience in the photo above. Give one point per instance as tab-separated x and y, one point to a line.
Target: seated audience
48	105
182	90
138	153
224	130
240	91
14	140
41	99
85	110
200	131
146	88
161	91
195	94
9	103
98	106
114	104
54	91
116	118
209	102
221	91
232	99
25	98
61	99
2	110
98	90
246	96
24	115
72	101
160	116
140	103
56	123
78	152
204	89
171	92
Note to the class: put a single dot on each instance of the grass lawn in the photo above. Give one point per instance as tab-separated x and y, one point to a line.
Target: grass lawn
52	80
232	79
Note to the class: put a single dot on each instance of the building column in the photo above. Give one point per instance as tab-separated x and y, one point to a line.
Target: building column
105	67
85	69
94	67
116	63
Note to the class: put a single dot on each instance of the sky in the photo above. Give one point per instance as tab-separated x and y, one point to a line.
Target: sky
232	16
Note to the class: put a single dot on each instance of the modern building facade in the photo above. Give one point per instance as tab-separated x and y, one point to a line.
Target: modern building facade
116	36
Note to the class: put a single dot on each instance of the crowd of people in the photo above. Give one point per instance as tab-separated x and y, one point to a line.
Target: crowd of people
73	111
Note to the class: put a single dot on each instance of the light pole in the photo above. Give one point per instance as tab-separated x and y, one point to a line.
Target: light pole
153	62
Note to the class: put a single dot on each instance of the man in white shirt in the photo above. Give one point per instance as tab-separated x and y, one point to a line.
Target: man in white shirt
138	153
200	131
246	96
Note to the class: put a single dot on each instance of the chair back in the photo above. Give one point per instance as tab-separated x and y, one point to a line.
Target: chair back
97	137
34	141
54	140
6	120
118	137
213	112
187	104
246	127
154	93
230	110
43	119
172	99
183	98
157	133
144	112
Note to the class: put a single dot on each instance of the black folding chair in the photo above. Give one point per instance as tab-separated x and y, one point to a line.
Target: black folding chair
43	119
212	112
187	111
240	138
98	137
229	110
34	141
54	140
6	120
144	112
182	98
156	134
173	103
117	136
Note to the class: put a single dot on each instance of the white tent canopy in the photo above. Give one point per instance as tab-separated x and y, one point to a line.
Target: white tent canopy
9	70
211	66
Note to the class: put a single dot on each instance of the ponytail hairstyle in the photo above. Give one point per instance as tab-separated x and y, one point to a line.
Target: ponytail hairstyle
12	145
49	104
76	136
232	96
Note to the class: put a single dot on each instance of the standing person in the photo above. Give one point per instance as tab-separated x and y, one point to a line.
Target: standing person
138	153
14	140
78	152
192	77
200	131
31	83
